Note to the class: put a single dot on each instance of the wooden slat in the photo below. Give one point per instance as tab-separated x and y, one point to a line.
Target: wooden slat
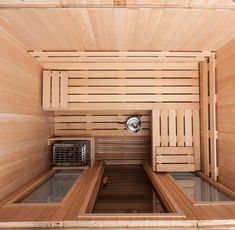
134	74
180	127
132	82
126	66
134	98
196	139
46	90
117	59
172	128
175	167
175	159
128	106
188	127
99	133
136	90
97	118
110	126
64	90
118	54
55	103
164	128
174	150
212	93
204	115
156	140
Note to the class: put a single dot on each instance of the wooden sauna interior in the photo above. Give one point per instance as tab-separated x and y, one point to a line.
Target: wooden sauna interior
78	69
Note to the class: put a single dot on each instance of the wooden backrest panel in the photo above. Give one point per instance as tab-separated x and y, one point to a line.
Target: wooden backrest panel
178	128
99	123
113	141
128	148
174	127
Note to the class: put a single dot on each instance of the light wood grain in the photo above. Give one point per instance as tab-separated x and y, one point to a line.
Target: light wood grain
127	28
119	82
204	116
225	113
213	128
24	127
174	133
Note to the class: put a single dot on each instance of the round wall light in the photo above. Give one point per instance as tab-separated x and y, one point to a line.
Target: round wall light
133	124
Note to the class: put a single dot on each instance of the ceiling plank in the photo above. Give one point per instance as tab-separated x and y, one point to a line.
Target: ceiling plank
119	29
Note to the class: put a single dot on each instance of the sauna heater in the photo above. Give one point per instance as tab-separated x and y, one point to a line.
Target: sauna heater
71	153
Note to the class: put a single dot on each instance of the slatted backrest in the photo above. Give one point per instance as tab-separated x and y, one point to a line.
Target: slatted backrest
55	90
176	128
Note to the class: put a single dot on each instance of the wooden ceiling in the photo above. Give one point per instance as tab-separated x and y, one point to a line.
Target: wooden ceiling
186	25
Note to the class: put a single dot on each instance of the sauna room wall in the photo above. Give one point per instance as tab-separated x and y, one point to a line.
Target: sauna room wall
24	127
226	114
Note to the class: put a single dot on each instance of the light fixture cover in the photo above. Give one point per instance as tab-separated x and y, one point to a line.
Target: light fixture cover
133	124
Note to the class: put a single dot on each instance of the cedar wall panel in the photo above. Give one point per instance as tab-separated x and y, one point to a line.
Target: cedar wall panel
24	128
226	113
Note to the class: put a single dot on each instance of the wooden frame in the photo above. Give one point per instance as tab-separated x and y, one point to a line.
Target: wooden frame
208	116
14	202
212	117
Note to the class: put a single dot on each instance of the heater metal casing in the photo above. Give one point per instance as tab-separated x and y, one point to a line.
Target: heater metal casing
71	153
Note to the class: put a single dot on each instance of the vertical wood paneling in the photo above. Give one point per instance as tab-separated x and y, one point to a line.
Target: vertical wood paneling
225	114
46	90
24	127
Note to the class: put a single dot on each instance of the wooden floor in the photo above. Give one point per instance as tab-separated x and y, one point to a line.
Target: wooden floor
128	190
75	206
